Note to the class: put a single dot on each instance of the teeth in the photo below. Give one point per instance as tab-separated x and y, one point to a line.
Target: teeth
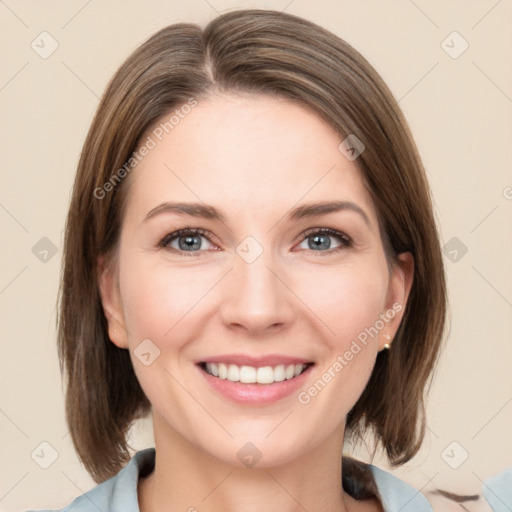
233	373
250	374
265	375
279	373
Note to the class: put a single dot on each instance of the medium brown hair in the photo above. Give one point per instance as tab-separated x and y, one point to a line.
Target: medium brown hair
260	52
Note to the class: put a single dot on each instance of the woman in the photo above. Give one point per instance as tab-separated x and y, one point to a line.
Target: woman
251	255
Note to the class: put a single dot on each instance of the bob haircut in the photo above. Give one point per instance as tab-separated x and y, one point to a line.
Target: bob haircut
257	52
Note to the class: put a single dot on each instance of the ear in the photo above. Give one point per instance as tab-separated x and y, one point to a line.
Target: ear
111	302
400	283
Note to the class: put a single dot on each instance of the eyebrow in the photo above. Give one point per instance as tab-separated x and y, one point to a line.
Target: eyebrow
304	211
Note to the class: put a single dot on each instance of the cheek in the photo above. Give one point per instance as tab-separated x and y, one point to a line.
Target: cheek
348	302
347	299
159	300
162	304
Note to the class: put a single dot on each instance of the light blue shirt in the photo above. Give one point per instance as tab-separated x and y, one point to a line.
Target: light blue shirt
119	494
497	491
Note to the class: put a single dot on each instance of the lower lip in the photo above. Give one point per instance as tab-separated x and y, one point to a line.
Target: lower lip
254	394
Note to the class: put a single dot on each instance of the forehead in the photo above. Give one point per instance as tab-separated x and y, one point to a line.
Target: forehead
252	152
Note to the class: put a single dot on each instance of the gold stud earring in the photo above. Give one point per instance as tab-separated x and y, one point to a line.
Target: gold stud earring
387	346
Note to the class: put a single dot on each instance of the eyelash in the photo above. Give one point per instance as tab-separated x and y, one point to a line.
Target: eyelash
345	240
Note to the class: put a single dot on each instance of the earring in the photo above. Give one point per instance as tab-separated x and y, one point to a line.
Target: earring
387	346
115	331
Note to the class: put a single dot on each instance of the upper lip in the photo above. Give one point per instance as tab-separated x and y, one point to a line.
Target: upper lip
255	361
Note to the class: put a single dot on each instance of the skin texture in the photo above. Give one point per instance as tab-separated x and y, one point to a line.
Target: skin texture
254	158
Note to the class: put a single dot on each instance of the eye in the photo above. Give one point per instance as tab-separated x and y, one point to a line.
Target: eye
318	239
185	241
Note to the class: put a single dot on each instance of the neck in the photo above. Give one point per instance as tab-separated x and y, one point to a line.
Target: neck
187	478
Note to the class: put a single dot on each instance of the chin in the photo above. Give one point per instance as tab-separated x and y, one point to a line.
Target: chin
257	450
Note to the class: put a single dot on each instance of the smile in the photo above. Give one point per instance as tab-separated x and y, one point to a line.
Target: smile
253	375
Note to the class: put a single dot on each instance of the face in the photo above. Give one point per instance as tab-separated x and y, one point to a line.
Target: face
247	279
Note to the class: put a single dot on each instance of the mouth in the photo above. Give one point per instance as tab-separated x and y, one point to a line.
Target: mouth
255	381
246	374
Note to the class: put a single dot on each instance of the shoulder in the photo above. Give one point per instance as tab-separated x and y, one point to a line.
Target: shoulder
497	491
117	493
397	495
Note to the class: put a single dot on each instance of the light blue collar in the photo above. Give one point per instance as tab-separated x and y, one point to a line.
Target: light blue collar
119	493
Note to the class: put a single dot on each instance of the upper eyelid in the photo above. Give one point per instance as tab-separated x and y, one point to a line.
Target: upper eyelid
324	230
172	235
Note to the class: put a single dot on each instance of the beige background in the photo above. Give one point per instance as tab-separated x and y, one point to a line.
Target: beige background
460	113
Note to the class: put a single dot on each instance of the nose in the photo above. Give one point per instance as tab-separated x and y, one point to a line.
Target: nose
255	296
